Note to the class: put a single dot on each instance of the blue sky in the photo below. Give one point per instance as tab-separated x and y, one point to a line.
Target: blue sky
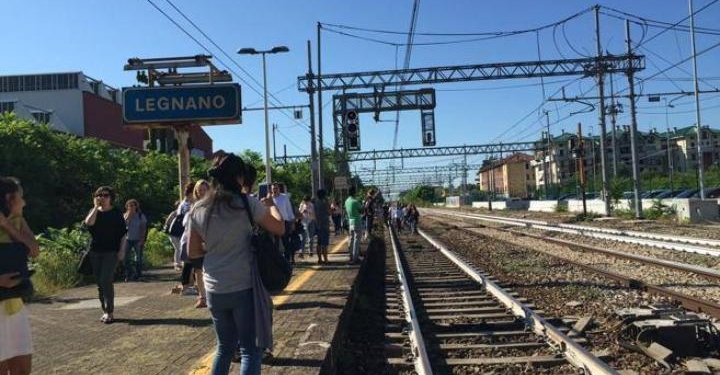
97	37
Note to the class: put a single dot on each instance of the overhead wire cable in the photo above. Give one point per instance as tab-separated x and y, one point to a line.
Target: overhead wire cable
491	33
278	102
335	28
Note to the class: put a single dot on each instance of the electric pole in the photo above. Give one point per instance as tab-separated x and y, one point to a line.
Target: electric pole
313	146
701	173
633	130
613	110
601	93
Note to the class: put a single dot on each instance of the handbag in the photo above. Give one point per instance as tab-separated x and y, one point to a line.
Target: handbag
275	271
14	257
176	226
85	266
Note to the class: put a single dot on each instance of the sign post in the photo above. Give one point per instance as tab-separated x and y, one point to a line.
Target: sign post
203	100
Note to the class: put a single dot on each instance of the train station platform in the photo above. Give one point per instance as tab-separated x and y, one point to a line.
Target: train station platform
157	333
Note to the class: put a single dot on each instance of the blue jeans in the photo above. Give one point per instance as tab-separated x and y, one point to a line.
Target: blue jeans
355	234
138	250
234	320
308	237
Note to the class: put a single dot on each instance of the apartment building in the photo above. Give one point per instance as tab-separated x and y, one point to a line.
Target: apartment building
652	147
511	176
75	103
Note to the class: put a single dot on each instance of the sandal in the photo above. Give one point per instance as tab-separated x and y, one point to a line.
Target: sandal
200	303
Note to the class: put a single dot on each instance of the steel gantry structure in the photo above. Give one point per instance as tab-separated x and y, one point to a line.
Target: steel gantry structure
597	67
506	70
380	80
498	148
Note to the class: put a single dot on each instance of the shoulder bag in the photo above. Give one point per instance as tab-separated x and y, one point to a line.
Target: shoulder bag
14	257
274	270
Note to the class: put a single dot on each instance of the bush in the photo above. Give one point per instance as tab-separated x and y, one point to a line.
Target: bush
659	210
158	249
56	266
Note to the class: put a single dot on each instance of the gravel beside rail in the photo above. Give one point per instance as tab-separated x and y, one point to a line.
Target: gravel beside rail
556	287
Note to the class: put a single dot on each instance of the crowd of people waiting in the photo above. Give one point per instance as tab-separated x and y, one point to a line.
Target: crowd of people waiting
210	233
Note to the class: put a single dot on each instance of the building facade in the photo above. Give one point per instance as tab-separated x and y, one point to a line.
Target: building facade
510	177
560	153
75	103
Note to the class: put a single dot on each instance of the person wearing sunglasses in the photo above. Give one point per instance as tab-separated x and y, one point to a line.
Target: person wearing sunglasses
107	229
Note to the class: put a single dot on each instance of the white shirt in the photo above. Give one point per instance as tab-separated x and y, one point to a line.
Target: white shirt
283	204
308	212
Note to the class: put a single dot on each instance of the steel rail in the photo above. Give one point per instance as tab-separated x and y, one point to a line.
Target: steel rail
704	271
626	238
574	353
653	236
421	358
687	301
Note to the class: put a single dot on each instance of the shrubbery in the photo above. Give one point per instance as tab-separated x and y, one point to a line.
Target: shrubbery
56	266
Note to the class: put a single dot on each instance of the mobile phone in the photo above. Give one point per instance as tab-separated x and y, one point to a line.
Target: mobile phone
262	190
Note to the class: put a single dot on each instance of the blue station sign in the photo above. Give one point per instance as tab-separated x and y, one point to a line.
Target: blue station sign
199	104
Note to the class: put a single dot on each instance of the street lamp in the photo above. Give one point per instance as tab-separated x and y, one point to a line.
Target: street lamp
667	138
253	51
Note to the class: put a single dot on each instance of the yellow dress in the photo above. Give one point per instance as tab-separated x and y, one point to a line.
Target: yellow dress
13	305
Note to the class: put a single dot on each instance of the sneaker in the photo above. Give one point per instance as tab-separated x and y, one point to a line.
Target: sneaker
191	291
104	317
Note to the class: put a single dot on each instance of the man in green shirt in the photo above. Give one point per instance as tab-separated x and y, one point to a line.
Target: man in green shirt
353	208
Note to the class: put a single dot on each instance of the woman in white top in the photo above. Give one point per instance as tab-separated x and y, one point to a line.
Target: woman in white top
307	210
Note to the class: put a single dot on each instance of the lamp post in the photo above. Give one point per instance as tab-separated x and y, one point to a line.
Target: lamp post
667	127
667	138
253	51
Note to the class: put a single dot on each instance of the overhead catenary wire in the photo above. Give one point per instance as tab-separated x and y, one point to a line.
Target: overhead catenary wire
279	103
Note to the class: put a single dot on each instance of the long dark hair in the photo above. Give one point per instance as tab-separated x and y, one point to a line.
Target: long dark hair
8	185
224	173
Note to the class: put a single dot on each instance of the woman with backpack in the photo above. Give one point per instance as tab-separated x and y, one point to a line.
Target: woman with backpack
220	231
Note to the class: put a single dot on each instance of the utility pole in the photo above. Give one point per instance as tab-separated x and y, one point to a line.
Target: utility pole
670	161
701	173
549	153
320	112
580	160
613	116
313	146
633	130
601	93
464	189
274	128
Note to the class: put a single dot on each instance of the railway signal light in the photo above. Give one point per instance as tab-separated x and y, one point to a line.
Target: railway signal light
352	130
428	128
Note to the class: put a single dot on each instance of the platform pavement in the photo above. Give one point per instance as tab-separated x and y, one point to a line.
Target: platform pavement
158	333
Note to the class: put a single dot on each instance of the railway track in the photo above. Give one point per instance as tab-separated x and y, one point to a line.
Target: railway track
447	317
690	302
656	240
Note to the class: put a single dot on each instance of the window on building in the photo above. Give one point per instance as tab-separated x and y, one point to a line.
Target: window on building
693	157
13	84
562	152
692	144
46	82
7	106
41	117
63	80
